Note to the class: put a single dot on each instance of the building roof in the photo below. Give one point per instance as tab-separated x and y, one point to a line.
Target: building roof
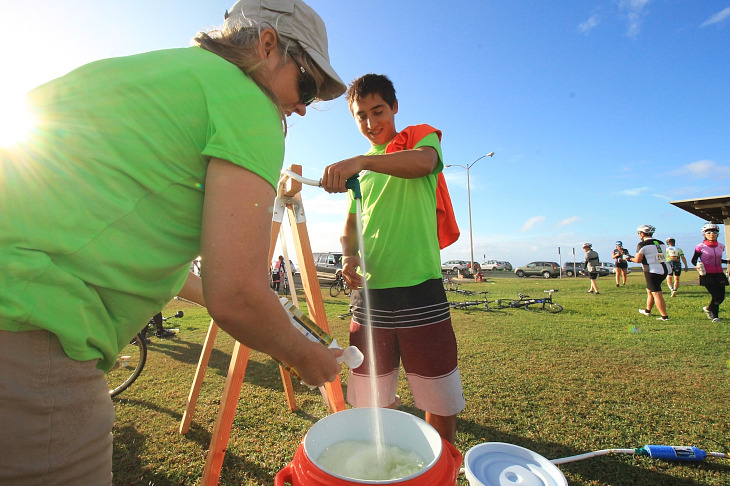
715	209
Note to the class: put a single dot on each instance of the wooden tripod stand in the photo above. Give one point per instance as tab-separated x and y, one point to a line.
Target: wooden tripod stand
289	201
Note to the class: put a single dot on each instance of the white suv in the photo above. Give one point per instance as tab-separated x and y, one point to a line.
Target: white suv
611	267
455	265
493	265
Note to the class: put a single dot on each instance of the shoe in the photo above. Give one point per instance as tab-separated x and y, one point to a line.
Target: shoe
589	291
662	318
709	314
674	292
165	333
716	319
616	285
597	293
645	312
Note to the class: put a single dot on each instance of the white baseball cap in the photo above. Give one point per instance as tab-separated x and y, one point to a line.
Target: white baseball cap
294	20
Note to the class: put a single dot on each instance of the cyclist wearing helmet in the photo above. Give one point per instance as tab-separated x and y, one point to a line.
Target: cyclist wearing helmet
651	253
619	256
709	254
674	255
592	262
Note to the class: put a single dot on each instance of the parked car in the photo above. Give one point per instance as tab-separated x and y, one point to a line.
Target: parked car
545	269
570	268
493	265
507	266
579	269
328	263
611	267
455	266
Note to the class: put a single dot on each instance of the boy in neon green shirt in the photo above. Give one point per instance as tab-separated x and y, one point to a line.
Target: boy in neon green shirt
410	318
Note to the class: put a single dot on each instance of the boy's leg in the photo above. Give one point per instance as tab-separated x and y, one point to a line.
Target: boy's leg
444	425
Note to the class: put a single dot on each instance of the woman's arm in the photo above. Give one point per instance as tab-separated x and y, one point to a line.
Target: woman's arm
696	257
236	230
193	289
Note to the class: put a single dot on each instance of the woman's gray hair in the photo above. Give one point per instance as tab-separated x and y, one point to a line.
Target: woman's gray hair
238	45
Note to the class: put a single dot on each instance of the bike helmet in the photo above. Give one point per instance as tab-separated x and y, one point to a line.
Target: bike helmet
671	239
619	243
710	227
647	229
587	245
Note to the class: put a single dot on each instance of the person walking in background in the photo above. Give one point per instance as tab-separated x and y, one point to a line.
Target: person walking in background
651	253
619	256
708	260
277	273
411	320
675	258
592	262
137	165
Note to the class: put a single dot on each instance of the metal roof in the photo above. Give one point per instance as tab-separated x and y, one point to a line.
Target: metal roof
715	209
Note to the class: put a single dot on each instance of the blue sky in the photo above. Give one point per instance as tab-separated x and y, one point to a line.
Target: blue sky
599	112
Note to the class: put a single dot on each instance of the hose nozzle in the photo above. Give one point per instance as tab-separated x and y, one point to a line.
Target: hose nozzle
353	183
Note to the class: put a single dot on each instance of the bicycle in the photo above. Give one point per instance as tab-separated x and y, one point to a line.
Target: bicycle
130	362
471	303
524	301
339	285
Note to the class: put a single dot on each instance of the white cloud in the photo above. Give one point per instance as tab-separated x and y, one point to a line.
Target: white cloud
590	24
567	221
718	17
532	222
633	191
704	169
634	12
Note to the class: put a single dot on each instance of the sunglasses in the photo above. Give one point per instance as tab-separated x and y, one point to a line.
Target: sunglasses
307	85
712	231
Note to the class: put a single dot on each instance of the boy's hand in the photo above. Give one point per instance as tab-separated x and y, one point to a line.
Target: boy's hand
335	175
349	271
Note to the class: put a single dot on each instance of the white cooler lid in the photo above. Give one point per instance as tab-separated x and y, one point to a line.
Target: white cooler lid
502	464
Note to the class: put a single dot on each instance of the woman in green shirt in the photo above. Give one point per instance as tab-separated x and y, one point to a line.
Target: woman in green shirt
136	166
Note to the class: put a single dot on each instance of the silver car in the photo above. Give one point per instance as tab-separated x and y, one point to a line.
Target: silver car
455	266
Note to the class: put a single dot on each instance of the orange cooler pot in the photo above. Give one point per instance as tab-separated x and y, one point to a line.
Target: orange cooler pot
400	429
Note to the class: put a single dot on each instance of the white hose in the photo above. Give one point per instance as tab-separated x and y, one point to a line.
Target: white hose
297	177
588	455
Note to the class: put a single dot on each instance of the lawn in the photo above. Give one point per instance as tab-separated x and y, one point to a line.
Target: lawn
598	375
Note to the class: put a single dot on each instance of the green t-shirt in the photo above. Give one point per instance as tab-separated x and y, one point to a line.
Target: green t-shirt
399	225
101	208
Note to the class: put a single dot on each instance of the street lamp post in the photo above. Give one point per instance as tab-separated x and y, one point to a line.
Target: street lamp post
468	197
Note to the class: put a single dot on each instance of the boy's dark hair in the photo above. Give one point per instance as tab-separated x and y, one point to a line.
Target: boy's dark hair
369	84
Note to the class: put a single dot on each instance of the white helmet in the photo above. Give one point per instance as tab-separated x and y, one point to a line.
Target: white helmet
587	245
647	229
710	227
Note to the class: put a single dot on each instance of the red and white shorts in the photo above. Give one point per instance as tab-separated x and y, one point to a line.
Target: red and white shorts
411	325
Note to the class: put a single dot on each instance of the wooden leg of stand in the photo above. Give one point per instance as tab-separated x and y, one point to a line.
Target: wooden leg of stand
332	392
187	417
226	413
291	401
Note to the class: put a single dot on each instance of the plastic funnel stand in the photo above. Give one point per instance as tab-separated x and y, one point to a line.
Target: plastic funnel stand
501	464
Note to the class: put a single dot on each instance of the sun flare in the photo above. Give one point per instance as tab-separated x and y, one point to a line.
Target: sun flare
15	121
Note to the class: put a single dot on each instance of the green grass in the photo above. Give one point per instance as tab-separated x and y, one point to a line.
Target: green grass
598	375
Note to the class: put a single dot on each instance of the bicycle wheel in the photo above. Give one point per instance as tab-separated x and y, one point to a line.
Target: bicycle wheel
507	304
346	290
336	288
551	307
130	361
